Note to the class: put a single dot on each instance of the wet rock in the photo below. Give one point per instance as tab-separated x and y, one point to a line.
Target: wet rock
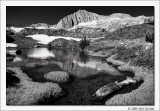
18	52
57	76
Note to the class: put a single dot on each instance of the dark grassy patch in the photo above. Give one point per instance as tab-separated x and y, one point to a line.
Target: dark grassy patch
130	32
11	79
145	59
137	56
29	92
37	74
9	57
9	39
106	49
126	54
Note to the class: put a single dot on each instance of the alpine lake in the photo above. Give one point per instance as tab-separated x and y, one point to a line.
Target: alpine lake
87	73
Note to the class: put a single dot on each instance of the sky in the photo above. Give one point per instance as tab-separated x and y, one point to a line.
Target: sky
27	15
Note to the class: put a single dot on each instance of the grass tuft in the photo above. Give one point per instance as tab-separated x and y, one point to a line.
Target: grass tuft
29	92
57	76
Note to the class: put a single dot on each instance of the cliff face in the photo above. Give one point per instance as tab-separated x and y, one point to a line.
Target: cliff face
84	19
76	18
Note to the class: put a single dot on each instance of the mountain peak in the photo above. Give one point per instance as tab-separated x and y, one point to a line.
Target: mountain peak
82	10
76	18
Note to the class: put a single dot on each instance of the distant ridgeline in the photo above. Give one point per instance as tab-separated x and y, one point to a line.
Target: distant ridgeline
81	23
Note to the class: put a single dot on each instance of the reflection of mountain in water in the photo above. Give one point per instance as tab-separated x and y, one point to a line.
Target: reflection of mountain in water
72	61
83	57
83	70
65	54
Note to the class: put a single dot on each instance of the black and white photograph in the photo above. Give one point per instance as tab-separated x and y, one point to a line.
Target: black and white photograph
80	56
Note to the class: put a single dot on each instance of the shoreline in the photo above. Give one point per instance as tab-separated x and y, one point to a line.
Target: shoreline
143	95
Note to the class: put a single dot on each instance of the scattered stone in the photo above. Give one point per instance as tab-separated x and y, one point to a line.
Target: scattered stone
18	52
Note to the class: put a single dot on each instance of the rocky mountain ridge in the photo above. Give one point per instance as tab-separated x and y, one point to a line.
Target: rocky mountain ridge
84	19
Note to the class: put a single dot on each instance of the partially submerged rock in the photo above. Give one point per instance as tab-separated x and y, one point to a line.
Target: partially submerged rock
57	76
18	52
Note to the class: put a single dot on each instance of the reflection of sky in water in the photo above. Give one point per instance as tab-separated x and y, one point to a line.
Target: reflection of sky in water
40	53
12	51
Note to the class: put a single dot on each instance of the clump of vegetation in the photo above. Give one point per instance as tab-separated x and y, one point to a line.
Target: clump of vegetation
29	92
130	32
84	43
57	76
9	39
145	59
149	37
11	79
126	54
137	56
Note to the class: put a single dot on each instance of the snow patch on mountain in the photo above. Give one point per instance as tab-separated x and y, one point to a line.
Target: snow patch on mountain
45	39
16	29
11	45
41	28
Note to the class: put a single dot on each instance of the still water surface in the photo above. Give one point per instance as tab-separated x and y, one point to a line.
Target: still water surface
72	61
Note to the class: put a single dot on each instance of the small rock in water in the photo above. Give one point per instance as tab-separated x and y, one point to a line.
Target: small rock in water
18	52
